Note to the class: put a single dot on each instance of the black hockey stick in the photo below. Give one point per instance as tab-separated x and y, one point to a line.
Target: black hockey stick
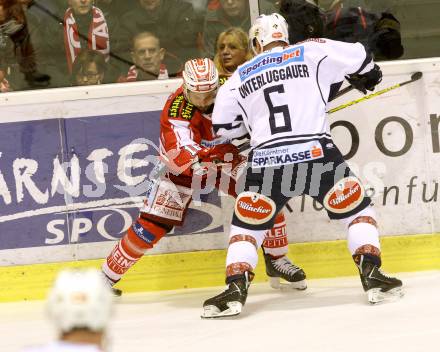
342	92
414	77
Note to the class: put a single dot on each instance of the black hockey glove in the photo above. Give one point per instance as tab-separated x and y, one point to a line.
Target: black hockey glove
366	81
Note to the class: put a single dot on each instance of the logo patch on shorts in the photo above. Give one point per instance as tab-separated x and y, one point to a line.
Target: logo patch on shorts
344	196
253	208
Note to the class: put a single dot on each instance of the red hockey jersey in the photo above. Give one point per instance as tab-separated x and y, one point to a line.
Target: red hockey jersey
184	130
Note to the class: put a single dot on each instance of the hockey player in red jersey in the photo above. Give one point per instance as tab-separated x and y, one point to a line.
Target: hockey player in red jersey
190	153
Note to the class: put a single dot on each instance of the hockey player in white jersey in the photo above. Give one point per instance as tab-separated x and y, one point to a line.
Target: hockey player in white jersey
80	306
282	95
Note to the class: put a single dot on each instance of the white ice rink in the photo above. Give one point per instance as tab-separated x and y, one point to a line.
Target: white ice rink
331	315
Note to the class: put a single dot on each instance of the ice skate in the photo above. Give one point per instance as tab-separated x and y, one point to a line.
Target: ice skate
378	285
283	268
231	301
110	283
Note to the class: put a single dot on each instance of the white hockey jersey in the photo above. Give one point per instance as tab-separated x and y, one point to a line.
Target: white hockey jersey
280	98
62	346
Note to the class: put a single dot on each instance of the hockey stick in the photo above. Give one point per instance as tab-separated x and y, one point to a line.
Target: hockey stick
414	77
342	92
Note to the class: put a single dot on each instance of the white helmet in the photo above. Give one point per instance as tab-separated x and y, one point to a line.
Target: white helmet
200	75
80	299
267	29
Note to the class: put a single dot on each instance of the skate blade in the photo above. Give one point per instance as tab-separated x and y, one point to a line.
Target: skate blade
212	312
275	282
116	292
375	295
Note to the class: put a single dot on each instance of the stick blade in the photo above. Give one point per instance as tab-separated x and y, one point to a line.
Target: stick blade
416	75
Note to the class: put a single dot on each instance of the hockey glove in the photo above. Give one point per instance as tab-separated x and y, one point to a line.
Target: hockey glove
366	81
218	153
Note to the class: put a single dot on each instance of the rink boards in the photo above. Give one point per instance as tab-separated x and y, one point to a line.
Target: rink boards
73	165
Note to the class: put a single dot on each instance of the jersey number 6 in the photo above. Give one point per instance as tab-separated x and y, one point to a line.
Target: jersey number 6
280	109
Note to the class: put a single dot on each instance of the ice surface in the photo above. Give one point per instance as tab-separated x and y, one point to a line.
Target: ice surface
331	315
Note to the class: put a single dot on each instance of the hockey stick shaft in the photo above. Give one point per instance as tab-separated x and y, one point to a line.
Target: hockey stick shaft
414	77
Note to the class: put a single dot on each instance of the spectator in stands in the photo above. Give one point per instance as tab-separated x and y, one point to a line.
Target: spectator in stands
172	21
223	14
45	22
80	306
89	68
84	27
351	21
305	19
13	25
151	61
4	84
232	50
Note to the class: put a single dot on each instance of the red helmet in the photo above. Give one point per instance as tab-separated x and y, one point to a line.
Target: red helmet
200	75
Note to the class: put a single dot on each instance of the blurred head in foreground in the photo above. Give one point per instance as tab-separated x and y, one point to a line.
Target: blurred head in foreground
80	305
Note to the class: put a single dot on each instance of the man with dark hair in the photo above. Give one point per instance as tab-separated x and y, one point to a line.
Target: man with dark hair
172	21
89	68
150	60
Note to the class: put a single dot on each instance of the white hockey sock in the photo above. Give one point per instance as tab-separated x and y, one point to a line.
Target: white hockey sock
361	234
242	252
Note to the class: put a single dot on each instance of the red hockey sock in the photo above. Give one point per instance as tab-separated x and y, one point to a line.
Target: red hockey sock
141	236
275	242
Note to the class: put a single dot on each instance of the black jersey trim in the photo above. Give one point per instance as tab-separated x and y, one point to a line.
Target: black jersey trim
368	59
244	112
301	137
317	80
299	141
229	126
334	89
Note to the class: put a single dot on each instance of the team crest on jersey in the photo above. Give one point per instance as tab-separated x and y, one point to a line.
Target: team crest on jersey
277	59
179	104
344	196
253	208
222	80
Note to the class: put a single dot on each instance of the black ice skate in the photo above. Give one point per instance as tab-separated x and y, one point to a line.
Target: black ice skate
231	301
375	282
283	268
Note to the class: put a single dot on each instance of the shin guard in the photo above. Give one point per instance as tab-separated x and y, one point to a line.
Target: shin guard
141	236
